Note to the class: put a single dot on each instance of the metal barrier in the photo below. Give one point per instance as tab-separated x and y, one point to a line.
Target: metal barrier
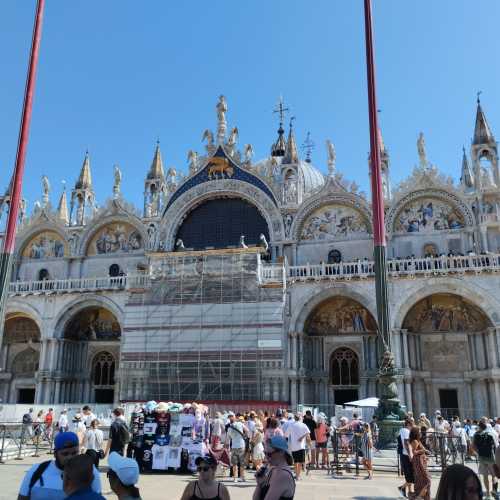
18	440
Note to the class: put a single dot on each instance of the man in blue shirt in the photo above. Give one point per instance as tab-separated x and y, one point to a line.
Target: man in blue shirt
78	477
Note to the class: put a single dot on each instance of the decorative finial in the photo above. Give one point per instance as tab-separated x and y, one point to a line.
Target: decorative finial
421	151
221	119
291	122
478	96
117	181
281	110
45	190
308	146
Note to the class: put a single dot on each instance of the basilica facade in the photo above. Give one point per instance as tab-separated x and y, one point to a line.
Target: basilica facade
249	280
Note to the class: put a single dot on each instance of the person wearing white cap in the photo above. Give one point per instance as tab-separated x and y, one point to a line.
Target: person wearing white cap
123	474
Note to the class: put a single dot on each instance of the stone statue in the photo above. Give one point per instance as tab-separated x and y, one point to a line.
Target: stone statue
209	137
193	161
263	242
233	137
117	181
179	245
152	236
22	210
421	150
248	153
288	224
332	156
354	187
45	190
242	241
221	119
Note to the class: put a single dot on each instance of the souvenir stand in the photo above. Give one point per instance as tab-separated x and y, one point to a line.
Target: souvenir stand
168	436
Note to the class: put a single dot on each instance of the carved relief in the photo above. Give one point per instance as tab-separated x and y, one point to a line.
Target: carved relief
445	313
113	238
93	324
46	245
427	215
339	315
333	221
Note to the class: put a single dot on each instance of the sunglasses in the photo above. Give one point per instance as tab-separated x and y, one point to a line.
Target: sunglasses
203	469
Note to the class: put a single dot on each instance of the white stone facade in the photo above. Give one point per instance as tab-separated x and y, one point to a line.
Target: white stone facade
109	304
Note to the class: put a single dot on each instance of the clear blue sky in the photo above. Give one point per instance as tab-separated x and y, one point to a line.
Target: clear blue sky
116	74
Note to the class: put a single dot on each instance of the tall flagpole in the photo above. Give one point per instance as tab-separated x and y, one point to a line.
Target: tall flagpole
389	406
22	145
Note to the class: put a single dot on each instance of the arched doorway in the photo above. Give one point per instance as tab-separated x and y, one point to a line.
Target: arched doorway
344	375
339	342
90	349
449	355
21	354
103	377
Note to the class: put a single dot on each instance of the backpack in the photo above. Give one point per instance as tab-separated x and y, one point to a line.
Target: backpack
122	433
485	445
37	475
27	419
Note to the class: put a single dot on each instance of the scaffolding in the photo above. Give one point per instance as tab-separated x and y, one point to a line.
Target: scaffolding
204	329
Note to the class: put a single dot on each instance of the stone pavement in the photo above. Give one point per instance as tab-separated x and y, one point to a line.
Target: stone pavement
316	486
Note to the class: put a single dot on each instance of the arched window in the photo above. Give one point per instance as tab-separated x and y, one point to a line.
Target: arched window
344	367
103	370
43	274
114	270
26	363
334	257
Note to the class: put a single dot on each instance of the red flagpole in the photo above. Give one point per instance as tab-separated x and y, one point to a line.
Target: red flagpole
376	185
15	194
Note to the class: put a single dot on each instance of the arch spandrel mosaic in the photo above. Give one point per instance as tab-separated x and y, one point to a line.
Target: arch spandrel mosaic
333	222
445	313
93	323
339	315
118	237
426	215
46	245
21	330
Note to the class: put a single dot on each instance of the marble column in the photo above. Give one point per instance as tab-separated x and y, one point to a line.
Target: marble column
429	397
57	393
484	238
493	354
408	399
406	363
267	391
293	391
276	390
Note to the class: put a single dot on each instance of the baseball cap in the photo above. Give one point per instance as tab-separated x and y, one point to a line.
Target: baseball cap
279	443
210	461
65	440
230	414
125	468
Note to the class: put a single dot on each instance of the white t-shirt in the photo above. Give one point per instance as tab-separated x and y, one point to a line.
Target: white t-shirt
63	421
87	419
404	434
217	427
296	433
237	440
93	439
160	457
52	484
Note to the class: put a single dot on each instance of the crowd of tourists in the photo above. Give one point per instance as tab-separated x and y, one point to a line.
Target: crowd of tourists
279	447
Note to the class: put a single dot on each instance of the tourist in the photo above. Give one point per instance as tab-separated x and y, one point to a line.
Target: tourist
311	424
367	450
406	489
206	487
217	429
79	427
483	445
123	475
78	477
49	420
418	457
423	421
322	434
272	429
458	432
119	435
276	482
44	481
375	431
88	416
355	423
296	434
235	441
63	423
258	446
459	482
93	442
497	426
37	427
27	430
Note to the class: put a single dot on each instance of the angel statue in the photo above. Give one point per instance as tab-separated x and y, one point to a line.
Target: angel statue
233	137
45	190
117	180
332	156
209	137
248	153
193	161
221	118
421	150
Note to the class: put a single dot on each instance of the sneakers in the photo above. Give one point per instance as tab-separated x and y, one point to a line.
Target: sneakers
235	480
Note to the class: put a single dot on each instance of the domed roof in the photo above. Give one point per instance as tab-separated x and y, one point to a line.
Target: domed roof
313	178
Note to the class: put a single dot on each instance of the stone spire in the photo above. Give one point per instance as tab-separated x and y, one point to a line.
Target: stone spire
278	148
482	131
85	179
466	177
291	153
62	207
156	170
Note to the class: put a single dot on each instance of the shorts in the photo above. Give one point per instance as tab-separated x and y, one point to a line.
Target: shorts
321	445
407	469
299	456
485	468
237	456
